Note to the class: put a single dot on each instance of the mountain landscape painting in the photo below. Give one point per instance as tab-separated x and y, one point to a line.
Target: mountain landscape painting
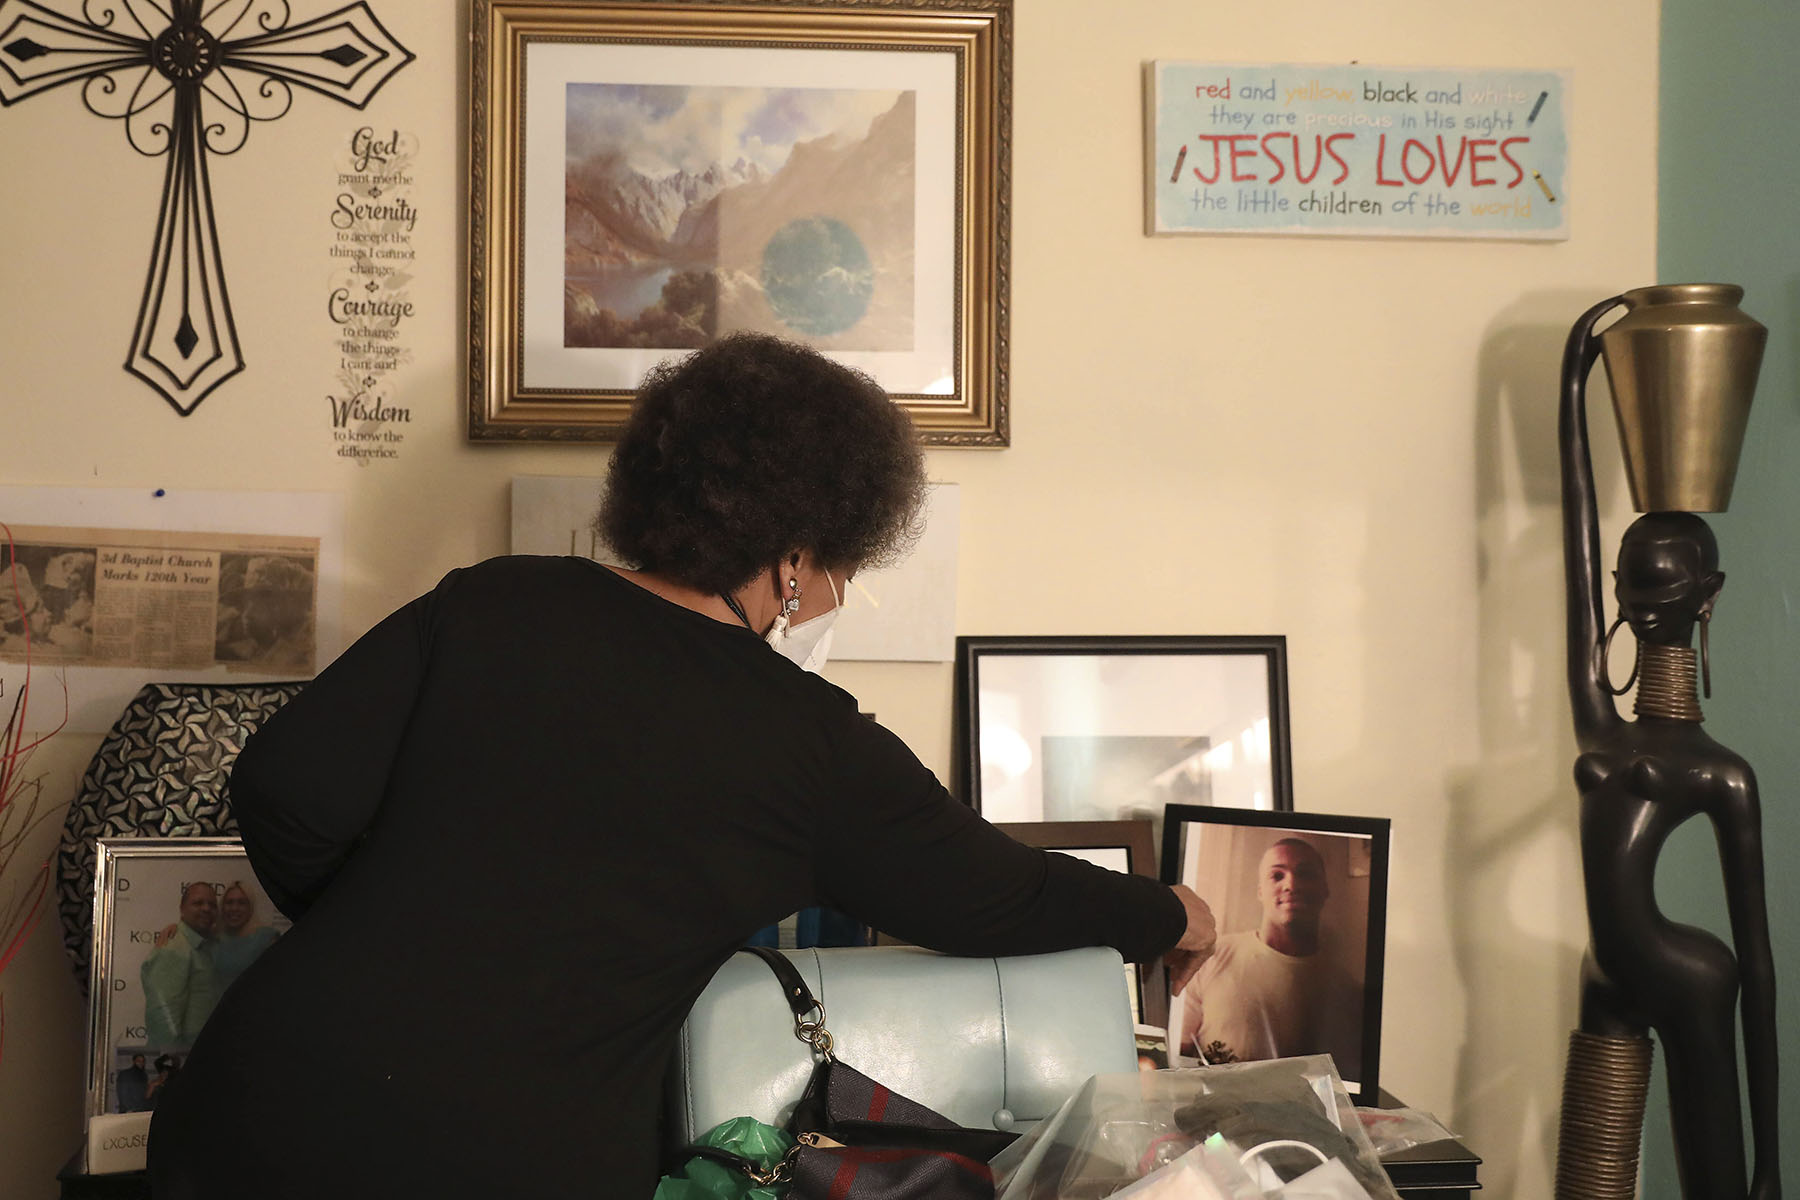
692	212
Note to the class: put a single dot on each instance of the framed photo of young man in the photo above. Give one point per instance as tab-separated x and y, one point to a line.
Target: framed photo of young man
1301	905
176	921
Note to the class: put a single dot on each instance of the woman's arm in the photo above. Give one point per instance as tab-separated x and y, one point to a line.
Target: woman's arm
898	852
1196	945
309	783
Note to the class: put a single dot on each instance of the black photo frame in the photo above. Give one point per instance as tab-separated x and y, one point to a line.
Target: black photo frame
1112	728
1229	857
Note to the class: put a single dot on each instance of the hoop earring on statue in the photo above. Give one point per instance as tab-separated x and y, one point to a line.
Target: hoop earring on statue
779	629
1605	663
1705	653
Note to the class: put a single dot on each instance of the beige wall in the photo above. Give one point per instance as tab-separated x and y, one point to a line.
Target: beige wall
1347	442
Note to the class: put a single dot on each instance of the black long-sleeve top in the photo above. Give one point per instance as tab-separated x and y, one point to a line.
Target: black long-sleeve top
519	825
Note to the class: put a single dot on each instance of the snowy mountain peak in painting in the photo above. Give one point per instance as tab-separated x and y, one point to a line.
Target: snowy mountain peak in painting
817	244
616	214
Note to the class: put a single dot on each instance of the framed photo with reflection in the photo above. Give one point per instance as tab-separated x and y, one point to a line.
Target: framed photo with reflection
1115	728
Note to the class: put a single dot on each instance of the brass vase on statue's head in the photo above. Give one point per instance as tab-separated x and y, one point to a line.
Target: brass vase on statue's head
1682	363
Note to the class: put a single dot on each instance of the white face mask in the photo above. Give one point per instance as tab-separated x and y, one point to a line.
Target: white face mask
809	642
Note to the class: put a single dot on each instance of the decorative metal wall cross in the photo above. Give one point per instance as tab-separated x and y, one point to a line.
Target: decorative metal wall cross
188	77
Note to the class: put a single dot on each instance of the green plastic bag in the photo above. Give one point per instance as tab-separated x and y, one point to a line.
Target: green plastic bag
702	1179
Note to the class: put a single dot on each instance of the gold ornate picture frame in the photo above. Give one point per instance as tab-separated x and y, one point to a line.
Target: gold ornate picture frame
647	177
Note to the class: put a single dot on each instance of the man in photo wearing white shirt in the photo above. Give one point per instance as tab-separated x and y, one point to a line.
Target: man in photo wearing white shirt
1270	992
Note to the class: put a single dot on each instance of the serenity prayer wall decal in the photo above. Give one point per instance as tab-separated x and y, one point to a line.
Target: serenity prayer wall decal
188	80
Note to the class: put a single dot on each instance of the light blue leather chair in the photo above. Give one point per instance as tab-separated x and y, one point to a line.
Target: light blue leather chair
998	1043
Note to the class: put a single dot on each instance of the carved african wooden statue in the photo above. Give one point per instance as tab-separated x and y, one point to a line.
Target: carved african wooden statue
1640	779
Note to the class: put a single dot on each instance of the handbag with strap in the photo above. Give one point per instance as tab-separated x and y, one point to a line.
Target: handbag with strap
856	1139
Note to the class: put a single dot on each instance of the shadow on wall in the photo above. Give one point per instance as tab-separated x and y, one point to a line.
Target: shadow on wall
1512	849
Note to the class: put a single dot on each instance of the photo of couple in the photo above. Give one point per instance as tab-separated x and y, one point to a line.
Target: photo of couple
136	1087
183	920
196	958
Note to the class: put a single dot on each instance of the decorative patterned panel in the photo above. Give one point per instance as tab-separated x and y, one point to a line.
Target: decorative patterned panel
161	772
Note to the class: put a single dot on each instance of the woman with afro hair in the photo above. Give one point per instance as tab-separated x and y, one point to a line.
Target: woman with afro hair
523	820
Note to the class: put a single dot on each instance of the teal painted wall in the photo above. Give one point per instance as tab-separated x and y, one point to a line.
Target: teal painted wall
1729	195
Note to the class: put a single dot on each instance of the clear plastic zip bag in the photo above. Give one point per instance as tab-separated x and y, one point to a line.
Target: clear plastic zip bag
1283	1129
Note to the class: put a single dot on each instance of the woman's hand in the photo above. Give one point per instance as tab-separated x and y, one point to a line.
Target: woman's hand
1196	944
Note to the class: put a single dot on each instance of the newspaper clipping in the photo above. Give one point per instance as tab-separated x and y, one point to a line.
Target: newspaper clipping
133	598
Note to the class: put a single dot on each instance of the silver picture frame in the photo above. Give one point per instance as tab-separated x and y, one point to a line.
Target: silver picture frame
140	889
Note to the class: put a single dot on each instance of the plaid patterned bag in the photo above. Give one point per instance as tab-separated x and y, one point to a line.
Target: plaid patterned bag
859	1140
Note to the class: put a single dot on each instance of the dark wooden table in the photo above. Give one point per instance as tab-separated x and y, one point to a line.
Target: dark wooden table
1443	1170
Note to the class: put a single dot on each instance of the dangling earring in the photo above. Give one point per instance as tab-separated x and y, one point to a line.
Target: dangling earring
779	629
1705	653
1605	663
